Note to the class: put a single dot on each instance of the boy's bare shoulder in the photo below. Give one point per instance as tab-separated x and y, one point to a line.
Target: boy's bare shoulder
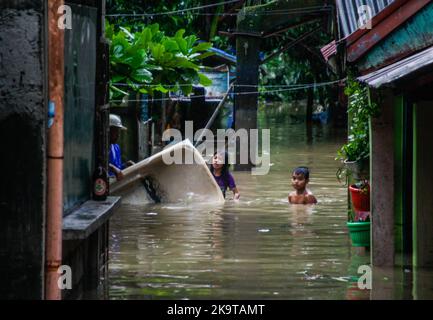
311	198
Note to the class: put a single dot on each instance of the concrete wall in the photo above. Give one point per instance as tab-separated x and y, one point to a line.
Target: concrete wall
22	160
88	260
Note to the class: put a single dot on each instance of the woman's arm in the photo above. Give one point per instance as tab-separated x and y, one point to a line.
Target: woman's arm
236	193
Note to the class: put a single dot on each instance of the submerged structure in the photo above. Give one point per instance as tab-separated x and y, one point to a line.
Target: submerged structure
54	115
393	56
256	23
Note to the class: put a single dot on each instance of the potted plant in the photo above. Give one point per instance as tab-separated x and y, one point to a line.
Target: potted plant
360	195
359	232
355	156
359	215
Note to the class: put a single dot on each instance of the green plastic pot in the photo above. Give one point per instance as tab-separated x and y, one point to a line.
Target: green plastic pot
359	233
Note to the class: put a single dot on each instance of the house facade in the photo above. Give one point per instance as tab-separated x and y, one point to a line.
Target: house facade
393	55
54	123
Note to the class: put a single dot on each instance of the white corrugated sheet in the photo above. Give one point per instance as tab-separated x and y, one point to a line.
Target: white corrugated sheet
399	70
350	11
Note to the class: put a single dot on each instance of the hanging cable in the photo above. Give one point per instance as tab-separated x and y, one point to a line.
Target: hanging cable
266	12
246	93
171	12
236	85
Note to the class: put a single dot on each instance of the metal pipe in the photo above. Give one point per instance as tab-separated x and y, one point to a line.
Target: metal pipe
53	254
212	118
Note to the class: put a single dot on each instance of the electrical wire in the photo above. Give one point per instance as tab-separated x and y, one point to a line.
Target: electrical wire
172	12
235	85
314	85
243	13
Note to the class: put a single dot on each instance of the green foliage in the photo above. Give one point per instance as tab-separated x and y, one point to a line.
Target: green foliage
205	25
301	64
169	22
360	109
148	60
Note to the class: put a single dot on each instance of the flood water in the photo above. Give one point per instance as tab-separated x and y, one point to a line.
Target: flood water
257	248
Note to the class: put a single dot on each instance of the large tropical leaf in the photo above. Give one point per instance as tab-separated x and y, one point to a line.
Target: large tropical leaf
142	75
203	46
149	61
157	50
204	80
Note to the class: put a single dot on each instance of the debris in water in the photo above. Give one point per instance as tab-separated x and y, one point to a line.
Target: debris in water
342	279
312	277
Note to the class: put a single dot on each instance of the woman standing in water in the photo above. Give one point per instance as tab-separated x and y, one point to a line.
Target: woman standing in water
222	175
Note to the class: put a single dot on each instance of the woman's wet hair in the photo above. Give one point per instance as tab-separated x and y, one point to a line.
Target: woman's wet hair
302	170
224	155
224	169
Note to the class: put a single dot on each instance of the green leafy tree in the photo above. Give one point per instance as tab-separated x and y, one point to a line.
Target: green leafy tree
148	60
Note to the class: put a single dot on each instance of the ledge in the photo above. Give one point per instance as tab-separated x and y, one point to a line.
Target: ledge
87	218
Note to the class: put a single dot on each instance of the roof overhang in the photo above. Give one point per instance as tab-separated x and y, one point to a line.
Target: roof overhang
399	71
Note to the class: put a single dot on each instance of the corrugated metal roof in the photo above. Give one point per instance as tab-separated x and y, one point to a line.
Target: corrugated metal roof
399	70
225	55
349	16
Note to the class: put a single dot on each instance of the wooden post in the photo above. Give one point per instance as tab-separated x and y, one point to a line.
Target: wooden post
245	102
102	111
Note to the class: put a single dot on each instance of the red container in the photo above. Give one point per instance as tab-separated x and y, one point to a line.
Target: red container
360	199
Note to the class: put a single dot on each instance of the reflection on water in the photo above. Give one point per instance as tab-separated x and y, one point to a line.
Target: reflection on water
258	248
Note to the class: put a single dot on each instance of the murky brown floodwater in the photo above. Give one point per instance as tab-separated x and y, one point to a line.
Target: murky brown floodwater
258	248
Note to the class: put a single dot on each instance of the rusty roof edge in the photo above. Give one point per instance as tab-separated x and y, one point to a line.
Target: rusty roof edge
382	15
355	51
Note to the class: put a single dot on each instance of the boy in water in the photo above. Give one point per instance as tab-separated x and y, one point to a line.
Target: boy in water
301	195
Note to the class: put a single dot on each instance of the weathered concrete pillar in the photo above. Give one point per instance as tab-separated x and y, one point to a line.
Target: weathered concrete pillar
245	102
23	113
382	184
383	283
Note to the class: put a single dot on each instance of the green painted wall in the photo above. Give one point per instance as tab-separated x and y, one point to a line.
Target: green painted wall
398	169
423	187
414	194
80	65
414	35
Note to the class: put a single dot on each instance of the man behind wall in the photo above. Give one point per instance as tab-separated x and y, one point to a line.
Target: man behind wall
115	156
